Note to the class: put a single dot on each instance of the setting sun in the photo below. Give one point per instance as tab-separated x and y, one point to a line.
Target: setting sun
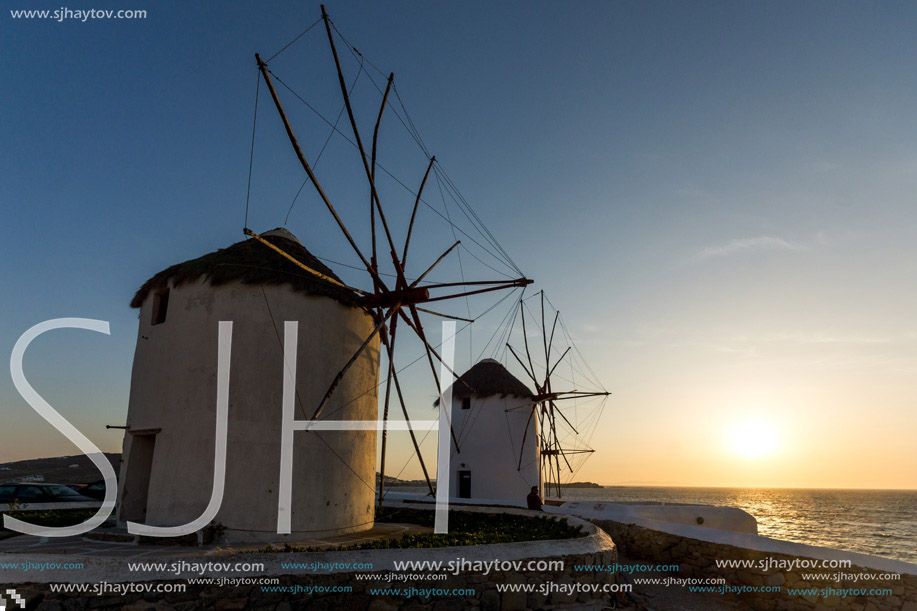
753	438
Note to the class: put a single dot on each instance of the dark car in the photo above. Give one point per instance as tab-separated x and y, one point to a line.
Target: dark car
96	490
34	492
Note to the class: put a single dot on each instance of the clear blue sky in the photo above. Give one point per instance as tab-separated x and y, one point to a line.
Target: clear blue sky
719	196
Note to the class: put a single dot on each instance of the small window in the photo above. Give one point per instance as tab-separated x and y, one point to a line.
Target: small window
466	403
160	307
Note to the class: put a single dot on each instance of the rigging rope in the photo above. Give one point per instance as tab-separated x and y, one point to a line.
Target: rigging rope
446	186
422	355
251	158
322	151
461	267
503	259
573	437
480	226
299	400
287	46
415	136
476	406
411	128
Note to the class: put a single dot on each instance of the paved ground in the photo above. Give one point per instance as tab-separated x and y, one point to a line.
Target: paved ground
674	598
644	597
27	544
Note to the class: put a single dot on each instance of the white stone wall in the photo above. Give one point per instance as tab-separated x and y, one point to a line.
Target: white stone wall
730	519
698	551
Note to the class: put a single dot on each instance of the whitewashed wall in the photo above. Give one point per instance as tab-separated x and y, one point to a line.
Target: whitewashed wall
173	388
490	442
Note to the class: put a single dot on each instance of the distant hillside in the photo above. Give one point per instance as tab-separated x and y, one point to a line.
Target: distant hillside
392	482
581	485
58	470
649	484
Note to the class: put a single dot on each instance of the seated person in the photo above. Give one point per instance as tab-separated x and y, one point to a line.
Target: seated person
533	499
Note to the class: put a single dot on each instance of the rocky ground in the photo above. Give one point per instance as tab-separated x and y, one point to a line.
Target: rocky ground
673	598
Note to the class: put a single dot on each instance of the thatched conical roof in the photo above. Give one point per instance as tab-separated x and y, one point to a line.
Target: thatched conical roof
488	378
251	262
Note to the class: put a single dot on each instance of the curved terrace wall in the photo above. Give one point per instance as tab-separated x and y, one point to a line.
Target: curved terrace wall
596	548
708	516
771	565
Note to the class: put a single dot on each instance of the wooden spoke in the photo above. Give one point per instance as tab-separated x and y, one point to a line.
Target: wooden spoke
407	418
298	263
554	407
435	263
305	164
551	342
393	377
418	328
506	285
557	460
518	282
544	337
388	341
372	209
353	359
407	241
391	302
356	134
566	396
559	360
525	338
388	299
525	432
559	449
530	373
419	309
431	352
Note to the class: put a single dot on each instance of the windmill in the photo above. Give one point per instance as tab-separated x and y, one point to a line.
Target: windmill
565	424
402	299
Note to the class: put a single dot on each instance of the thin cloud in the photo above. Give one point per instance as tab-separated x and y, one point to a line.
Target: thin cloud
741	245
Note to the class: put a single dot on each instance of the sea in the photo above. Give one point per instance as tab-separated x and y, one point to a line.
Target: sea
877	522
